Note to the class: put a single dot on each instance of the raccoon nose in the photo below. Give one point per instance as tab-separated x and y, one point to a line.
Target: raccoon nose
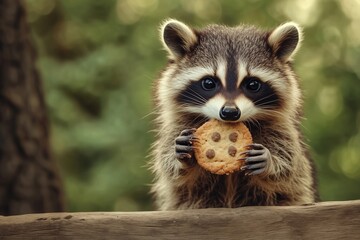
230	113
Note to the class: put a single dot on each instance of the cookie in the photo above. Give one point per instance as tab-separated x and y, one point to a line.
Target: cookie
218	146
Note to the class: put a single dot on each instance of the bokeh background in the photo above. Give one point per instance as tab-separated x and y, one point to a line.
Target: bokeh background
98	60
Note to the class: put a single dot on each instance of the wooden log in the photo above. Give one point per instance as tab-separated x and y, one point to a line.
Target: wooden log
326	220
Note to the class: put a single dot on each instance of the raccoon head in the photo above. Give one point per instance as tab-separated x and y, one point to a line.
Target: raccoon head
230	73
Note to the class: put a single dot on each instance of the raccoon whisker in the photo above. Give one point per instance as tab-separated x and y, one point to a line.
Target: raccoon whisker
268	108
197	94
194	120
192	103
198	118
261	99
149	114
271	112
254	122
185	108
193	97
266	103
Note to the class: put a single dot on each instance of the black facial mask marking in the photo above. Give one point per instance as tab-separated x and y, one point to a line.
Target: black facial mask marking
263	95
199	92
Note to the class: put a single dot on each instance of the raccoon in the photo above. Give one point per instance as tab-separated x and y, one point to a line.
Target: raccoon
232	74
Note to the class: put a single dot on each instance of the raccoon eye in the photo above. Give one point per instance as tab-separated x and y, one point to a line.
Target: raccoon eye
208	83
253	84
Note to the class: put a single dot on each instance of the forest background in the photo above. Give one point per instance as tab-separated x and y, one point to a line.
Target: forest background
98	61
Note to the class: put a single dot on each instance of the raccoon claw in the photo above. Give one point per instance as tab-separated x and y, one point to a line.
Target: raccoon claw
257	159
183	157
187	132
184	151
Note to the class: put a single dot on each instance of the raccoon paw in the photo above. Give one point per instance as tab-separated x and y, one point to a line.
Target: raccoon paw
257	159
184	151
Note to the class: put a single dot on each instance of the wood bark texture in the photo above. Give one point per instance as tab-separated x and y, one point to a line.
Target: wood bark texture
29	181
327	220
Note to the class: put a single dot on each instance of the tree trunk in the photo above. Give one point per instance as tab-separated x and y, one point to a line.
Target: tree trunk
29	181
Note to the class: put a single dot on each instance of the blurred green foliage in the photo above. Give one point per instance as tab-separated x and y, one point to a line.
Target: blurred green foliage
98	60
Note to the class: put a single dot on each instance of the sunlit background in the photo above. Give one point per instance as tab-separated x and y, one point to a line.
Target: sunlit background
98	60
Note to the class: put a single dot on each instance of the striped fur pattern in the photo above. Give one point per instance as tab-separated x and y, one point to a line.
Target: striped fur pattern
232	56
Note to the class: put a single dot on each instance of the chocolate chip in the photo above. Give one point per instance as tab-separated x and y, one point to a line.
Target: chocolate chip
233	137
232	151
210	153
216	136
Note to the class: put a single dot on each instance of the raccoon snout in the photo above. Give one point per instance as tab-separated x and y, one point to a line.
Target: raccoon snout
230	113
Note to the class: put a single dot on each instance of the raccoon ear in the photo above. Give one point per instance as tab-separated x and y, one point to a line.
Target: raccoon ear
177	38
285	40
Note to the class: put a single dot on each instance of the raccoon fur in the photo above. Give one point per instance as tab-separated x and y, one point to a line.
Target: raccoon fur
240	73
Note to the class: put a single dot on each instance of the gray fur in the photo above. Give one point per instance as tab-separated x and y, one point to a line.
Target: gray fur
288	180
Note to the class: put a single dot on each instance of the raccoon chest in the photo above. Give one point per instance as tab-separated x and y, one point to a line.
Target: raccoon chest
239	192
231	190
